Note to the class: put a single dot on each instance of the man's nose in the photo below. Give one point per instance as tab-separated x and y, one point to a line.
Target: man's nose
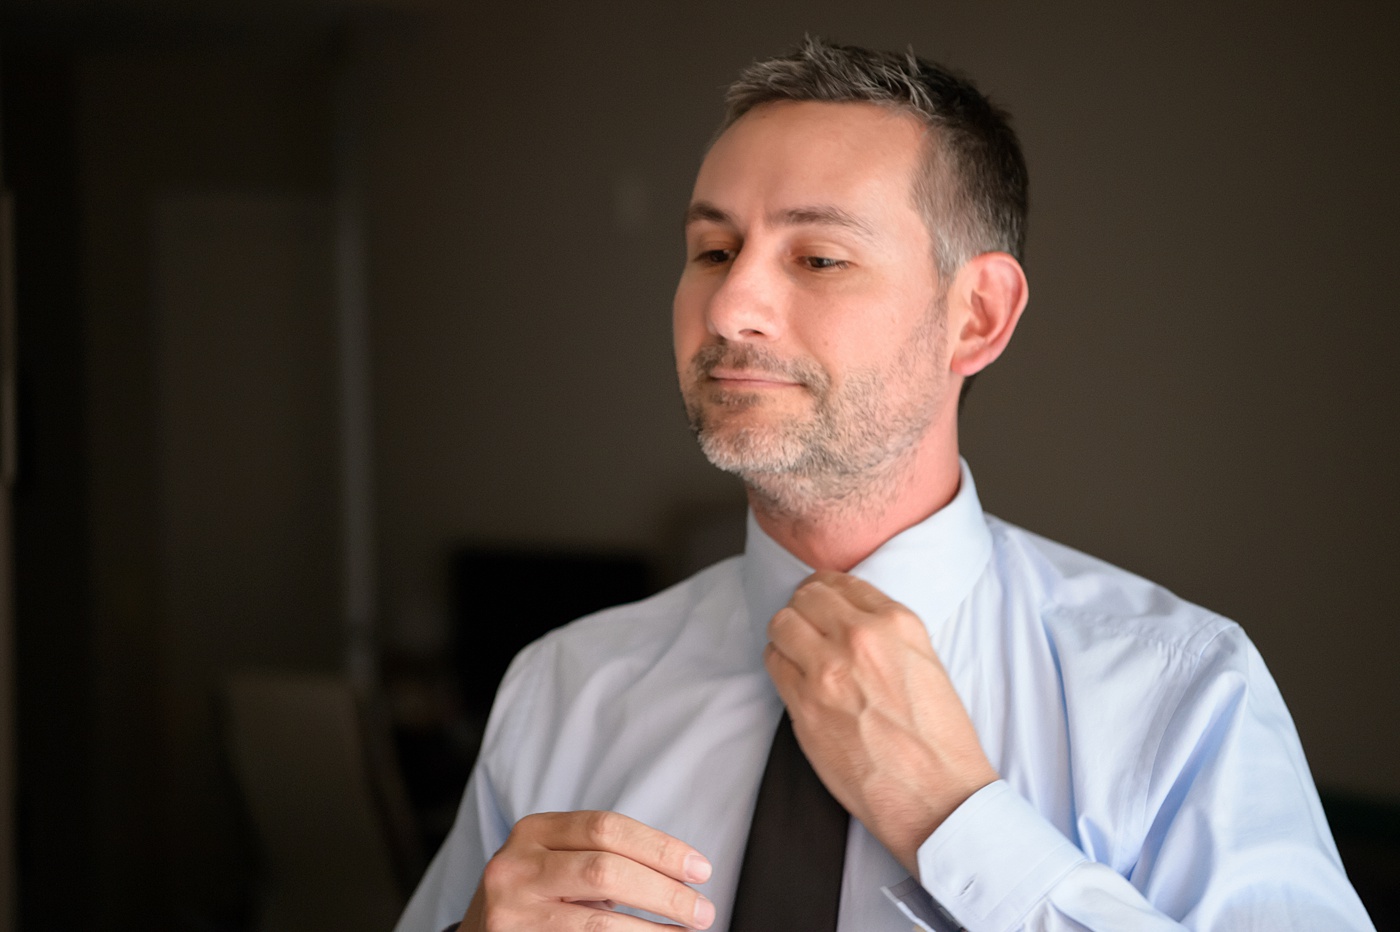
747	305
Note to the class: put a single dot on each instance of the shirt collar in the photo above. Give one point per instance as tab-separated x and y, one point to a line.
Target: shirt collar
929	568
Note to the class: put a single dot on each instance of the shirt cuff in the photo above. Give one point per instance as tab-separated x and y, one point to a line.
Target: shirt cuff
994	859
915	903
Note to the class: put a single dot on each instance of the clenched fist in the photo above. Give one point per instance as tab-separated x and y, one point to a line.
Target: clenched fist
874	710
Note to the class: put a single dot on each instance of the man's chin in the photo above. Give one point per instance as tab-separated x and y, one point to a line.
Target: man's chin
748	451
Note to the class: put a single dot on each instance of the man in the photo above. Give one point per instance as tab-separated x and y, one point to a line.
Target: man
1024	737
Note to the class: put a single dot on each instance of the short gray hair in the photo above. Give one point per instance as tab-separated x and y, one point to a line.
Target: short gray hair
973	189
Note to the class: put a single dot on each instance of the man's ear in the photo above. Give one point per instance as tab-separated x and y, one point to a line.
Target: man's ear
985	302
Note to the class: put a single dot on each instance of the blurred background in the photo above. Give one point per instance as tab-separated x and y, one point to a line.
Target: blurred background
340	324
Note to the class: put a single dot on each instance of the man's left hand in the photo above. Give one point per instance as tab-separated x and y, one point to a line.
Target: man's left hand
874	710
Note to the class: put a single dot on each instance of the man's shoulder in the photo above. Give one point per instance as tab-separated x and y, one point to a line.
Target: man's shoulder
1142	664
576	673
1082	597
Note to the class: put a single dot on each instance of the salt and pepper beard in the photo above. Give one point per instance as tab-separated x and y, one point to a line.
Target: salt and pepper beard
848	451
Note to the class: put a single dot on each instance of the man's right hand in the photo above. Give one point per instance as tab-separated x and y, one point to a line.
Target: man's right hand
568	870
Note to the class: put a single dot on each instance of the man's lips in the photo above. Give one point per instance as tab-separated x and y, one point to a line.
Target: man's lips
749	378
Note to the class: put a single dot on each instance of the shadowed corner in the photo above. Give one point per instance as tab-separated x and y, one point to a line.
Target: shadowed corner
1367	832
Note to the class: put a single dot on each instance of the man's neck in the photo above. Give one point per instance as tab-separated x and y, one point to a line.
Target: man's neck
838	534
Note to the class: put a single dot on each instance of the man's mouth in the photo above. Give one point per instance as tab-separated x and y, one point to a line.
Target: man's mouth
749	378
753	372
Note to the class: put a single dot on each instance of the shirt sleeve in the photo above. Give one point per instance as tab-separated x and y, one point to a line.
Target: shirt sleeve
482	822
1231	833
996	864
446	889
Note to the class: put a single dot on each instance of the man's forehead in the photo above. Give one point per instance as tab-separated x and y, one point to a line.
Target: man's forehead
796	128
821	215
810	163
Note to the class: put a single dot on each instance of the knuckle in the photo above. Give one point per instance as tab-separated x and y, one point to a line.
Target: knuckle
908	628
894	615
499	873
598	871
886	614
666	851
682	901
602	825
527	827
600	921
865	641
809	594
509	872
833	677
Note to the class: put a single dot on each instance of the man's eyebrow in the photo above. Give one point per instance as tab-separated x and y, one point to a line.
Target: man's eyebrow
705	211
815	215
822	215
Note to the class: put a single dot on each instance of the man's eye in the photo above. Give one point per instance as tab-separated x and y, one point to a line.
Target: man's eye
822	262
714	256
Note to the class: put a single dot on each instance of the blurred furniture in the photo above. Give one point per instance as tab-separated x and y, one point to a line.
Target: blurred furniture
319	780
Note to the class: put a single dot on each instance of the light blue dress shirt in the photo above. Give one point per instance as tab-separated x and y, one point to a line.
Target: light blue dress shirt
1151	775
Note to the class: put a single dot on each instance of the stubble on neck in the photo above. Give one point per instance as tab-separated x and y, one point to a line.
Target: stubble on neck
835	529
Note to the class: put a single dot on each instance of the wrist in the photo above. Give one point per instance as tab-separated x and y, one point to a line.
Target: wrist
907	838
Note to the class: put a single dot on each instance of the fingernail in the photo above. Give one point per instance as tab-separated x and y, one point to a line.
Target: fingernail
704	913
697	870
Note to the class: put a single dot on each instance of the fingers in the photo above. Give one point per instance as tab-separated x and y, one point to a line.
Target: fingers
567	917
566	869
855	590
827	598
843	608
805	630
795	636
619	834
591	877
829	602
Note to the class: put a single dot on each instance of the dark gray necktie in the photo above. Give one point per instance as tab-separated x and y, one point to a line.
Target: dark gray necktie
791	876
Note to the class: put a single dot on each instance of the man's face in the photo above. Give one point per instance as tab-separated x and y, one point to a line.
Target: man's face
808	323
